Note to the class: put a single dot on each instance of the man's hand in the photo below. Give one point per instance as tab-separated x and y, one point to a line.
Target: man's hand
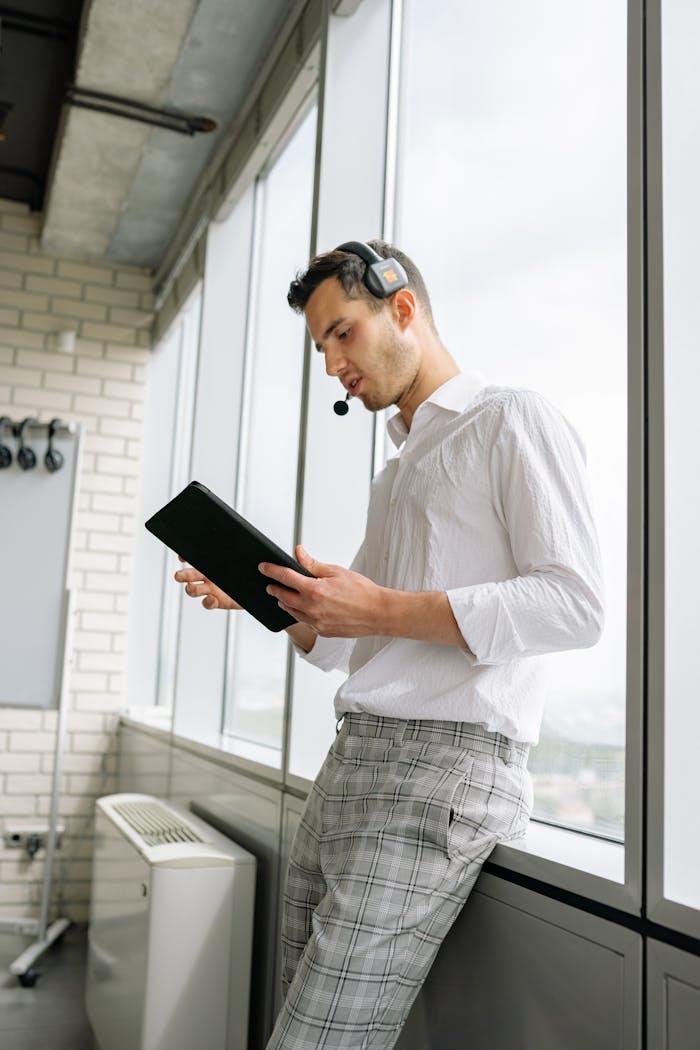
198	586
338	603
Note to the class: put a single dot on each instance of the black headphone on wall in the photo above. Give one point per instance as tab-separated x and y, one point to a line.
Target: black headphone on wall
5	452
26	457
53	458
382	277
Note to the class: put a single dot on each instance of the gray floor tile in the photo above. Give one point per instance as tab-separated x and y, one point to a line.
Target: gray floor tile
51	1015
55	1037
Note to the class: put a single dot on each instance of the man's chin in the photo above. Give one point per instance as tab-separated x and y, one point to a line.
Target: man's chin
375	403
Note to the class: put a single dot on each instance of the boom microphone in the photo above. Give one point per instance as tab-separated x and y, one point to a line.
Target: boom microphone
341	407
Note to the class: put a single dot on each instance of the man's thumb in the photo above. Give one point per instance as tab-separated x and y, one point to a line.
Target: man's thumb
316	568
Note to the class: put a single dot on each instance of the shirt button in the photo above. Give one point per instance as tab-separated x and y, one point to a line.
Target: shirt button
386	556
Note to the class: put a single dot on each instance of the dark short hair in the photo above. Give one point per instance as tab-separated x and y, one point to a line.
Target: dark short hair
350	269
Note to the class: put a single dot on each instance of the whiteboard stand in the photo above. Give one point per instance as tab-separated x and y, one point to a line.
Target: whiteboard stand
46	935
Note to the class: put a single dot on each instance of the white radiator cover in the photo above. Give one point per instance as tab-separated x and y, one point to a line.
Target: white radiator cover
171	929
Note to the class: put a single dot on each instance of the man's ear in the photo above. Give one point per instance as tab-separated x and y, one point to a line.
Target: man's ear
403	305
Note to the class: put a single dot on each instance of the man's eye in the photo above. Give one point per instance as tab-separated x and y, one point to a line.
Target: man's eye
342	335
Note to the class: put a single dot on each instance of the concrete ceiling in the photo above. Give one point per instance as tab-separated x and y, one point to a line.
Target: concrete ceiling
118	187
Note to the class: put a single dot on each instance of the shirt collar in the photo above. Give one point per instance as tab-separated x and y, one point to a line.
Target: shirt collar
453	396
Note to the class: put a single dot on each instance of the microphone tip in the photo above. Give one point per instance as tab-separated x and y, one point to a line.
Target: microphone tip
340	408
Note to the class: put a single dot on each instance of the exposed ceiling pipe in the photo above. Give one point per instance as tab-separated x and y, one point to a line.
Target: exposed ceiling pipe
115	106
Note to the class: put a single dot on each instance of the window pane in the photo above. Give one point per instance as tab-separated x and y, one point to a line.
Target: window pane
201	658
267	485
166	447
681	220
515	116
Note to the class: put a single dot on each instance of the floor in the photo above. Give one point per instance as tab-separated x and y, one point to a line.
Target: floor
51	1015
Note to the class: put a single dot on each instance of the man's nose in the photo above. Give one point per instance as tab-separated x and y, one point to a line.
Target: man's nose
335	361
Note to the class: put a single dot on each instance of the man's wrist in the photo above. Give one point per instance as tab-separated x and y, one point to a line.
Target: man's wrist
421	615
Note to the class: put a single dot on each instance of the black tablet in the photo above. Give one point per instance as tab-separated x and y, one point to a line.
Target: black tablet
226	548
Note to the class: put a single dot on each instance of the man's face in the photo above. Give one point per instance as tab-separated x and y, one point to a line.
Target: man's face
365	349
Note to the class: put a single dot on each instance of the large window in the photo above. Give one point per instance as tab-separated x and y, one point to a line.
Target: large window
496	153
515	116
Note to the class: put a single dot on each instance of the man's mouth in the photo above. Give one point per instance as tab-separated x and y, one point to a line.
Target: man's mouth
353	387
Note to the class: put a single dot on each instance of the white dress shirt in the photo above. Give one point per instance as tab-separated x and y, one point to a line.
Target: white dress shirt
487	500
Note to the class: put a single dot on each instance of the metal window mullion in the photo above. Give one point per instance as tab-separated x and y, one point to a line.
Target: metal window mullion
655	596
165	646
636	486
187	399
305	380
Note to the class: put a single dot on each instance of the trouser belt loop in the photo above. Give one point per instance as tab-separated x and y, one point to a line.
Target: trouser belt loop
400	730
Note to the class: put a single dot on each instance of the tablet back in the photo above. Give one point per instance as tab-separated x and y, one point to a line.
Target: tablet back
226	548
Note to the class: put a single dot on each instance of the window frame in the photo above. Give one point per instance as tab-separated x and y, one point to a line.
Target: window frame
680	917
550	863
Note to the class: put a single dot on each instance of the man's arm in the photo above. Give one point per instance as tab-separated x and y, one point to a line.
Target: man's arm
302	635
341	603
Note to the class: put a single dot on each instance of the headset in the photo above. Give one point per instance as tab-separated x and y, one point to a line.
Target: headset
53	458
382	277
5	452
26	457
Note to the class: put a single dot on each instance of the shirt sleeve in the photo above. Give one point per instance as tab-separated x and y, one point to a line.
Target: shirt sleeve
540	492
330	654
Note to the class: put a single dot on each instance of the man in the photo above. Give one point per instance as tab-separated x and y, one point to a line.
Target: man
480	554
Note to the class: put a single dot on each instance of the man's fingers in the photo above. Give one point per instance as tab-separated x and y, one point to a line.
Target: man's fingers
287	577
189	576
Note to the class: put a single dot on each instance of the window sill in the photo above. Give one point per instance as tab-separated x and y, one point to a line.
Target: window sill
237	755
585	853
579	863
152	716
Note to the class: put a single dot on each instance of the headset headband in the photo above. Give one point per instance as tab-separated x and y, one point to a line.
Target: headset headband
382	277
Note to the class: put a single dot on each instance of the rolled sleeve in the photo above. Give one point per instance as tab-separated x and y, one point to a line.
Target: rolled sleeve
541	494
328	654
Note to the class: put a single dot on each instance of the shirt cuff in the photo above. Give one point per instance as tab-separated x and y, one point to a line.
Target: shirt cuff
327	654
485	624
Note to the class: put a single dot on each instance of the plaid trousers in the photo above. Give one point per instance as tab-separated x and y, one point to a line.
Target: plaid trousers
397	826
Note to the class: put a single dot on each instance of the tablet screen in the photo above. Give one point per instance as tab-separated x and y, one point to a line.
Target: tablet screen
226	548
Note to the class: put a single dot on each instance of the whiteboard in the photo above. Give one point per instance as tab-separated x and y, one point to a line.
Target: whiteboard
37	511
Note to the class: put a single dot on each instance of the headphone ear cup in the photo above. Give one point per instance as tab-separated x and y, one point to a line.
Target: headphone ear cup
53	460
374	284
5	457
26	458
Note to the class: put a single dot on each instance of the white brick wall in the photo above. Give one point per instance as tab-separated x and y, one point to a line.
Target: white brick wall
101	385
